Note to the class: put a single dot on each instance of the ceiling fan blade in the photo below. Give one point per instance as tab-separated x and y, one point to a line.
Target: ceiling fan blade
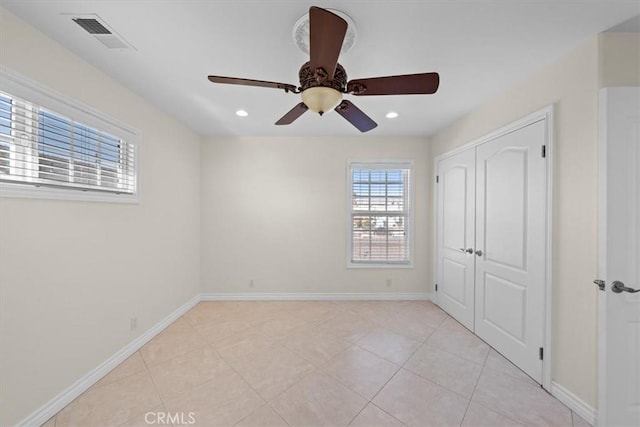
293	114
355	116
326	34
249	82
408	84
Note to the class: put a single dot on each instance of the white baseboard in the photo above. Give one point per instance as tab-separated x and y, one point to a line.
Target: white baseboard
303	296
577	405
48	410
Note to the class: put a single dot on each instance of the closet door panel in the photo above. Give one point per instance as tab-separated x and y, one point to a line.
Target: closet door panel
455	219
510	242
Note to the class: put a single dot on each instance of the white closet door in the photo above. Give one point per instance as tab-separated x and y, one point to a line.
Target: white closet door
456	234
510	245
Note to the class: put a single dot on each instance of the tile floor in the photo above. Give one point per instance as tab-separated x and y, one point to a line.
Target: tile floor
361	363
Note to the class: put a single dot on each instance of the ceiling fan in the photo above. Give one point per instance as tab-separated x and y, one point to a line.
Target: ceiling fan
323	81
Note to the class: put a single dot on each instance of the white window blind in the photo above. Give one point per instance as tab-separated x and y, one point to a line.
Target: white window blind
40	147
380	214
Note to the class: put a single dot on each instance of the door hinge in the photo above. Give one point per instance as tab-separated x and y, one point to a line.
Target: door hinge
544	151
436	287
437	179
541	353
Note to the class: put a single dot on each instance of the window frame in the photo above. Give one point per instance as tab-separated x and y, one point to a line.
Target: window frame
46	99
409	225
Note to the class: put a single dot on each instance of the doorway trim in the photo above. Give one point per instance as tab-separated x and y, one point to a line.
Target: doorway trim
546	114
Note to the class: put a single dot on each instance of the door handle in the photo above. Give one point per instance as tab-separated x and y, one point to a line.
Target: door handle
479	252
601	284
619	287
468	250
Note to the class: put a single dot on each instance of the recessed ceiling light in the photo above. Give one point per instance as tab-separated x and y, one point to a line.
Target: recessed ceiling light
392	115
242	113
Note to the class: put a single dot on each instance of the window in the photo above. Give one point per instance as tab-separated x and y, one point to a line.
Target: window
380	214
5	130
51	148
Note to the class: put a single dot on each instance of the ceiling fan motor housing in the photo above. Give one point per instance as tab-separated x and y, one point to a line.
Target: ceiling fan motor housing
309	78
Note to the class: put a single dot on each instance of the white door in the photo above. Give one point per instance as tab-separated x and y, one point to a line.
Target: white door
510	245
456	236
619	243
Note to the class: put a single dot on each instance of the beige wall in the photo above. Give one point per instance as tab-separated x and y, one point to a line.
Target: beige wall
619	59
72	274
274	211
571	84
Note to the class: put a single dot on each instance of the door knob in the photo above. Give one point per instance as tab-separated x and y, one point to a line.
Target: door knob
619	287
479	252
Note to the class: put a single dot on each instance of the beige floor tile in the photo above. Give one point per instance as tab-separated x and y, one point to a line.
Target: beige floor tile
247	342
223	401
185	372
314	344
242	341
316	311
281	325
497	362
179	326
515	399
263	417
460	342
271	371
418	402
578	421
223	331
348	326
479	416
178	339
389	345
207	312
375	310
157	415
318	400
409	325
423	314
421	306
444	368
51	422
372	416
111	404
361	371
133	365
451	324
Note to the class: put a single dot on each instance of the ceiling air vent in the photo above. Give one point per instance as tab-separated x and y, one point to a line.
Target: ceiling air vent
93	25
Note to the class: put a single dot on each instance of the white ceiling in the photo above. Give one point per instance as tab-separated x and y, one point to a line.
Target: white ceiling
479	47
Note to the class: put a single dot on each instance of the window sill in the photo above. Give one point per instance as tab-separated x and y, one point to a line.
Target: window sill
358	265
21	191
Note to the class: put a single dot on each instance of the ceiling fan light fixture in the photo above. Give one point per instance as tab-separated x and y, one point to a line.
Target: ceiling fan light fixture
321	99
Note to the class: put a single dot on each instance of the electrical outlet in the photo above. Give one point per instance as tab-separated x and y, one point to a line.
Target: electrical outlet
388	283
134	323
251	284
